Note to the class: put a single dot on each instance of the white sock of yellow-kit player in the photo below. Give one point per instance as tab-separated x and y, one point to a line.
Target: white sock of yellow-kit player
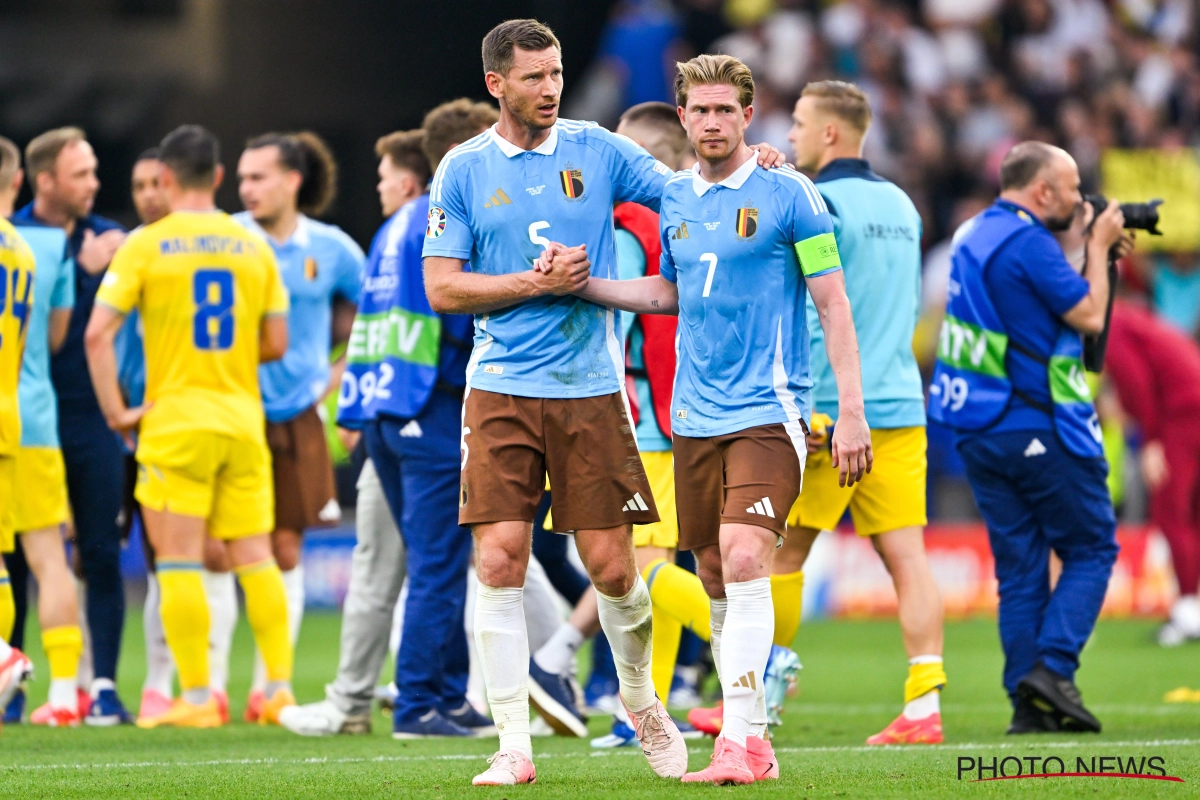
503	646
293	587
626	623
87	673
745	647
160	666
220	589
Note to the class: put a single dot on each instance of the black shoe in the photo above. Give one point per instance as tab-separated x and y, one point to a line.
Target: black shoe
1051	693
1027	718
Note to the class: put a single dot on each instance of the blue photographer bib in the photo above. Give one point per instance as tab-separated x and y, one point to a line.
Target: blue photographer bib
971	387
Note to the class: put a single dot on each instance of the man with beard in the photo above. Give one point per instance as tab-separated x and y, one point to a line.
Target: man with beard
61	168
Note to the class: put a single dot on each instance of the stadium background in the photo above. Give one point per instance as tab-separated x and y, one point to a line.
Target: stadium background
954	83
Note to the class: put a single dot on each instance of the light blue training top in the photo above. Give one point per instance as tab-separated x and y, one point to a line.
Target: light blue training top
53	288
878	234
318	262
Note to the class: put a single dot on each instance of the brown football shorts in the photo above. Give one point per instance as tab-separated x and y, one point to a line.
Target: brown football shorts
305	493
751	476
586	445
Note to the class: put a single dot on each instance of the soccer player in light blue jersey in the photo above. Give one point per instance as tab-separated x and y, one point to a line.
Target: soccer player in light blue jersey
740	247
285	180
878	233
545	384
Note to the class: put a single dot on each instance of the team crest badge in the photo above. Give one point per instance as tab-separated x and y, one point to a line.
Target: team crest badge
572	183
437	223
310	269
747	222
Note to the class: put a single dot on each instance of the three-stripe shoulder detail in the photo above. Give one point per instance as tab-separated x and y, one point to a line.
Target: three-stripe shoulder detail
815	200
470	146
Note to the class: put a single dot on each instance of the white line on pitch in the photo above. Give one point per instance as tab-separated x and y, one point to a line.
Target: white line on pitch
997	708
1095	744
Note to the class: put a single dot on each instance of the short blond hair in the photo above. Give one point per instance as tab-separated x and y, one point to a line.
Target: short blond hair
705	70
844	100
42	153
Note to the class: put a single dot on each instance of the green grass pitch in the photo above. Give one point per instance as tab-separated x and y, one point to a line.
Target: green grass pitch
850	688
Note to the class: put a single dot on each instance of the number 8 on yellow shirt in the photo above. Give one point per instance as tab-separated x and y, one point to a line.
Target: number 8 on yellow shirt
203	285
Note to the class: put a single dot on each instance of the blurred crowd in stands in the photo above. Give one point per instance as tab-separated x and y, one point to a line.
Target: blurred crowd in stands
953	83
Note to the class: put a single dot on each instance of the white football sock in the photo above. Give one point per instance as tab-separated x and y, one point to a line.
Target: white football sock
555	656
717	609
86	669
626	623
221	590
160	666
923	706
503	646
744	652
63	693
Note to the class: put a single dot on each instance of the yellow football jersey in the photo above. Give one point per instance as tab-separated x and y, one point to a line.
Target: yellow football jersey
202	284
16	299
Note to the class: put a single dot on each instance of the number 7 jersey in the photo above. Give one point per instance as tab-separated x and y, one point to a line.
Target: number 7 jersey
739	252
203	284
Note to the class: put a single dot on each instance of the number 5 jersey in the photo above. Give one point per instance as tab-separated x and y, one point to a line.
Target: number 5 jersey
203	284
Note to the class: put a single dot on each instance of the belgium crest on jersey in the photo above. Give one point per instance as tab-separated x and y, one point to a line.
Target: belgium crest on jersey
747	223
572	183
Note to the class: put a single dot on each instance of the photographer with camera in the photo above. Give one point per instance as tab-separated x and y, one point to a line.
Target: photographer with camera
1010	381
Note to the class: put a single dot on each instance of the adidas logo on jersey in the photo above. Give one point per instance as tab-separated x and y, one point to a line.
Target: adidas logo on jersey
636	504
680	232
332	512
763	508
1036	448
747	681
498	199
412	430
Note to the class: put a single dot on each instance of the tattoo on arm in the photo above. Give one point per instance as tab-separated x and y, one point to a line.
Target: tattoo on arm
654	303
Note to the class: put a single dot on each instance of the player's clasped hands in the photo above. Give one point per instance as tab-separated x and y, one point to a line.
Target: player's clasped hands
852	453
563	270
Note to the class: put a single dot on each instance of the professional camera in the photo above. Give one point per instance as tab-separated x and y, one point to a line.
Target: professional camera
1138	216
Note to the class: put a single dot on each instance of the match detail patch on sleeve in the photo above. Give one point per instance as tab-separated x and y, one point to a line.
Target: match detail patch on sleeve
818	253
436	224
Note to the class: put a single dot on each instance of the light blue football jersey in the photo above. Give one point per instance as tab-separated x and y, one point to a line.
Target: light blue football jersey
53	287
499	206
878	234
739	251
317	263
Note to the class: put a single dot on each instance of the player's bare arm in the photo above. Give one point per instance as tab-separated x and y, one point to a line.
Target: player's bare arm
272	338
652	295
102	364
851	437
453	291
